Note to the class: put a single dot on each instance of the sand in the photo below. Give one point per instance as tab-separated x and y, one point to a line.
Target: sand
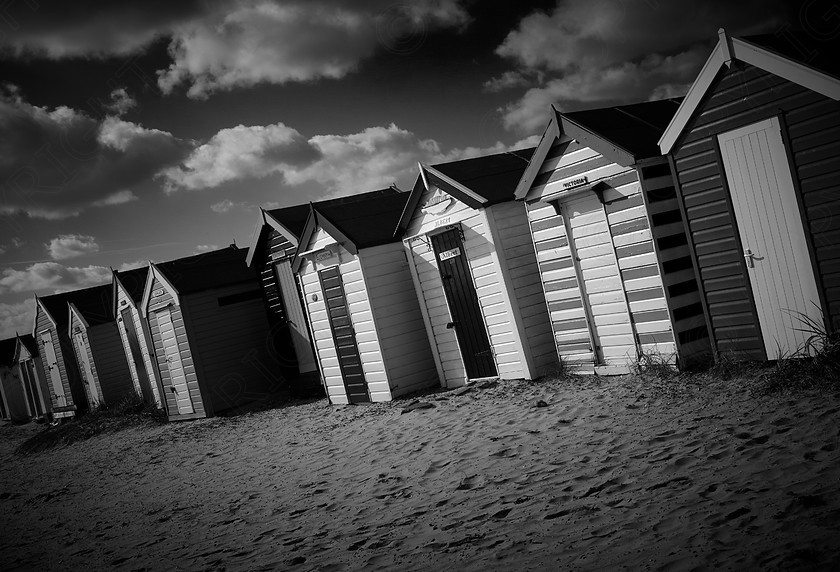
608	475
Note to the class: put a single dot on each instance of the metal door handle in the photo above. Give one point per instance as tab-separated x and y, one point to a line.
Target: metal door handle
451	325
750	258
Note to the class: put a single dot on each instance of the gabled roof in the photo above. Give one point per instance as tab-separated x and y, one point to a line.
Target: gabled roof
94	305
291	221
133	281
797	57
7	351
478	182
56	304
625	134
27	342
371	221
208	270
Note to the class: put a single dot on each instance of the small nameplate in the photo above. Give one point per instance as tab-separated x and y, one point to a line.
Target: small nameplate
576	182
158	292
446	255
443	221
324	255
437	203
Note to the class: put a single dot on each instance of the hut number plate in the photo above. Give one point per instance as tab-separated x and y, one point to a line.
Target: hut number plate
158	292
446	255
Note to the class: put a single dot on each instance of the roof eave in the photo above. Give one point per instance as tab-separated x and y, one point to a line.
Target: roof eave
551	133
454	188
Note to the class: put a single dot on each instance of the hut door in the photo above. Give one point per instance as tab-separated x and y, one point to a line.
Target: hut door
344	336
174	366
136	355
52	366
86	369
463	305
294	317
770	227
27	371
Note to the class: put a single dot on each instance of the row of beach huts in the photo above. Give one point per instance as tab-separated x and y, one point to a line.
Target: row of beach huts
683	230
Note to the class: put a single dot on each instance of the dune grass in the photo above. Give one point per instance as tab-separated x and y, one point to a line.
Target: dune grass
129	412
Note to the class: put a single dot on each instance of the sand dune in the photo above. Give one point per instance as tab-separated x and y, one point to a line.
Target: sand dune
607	475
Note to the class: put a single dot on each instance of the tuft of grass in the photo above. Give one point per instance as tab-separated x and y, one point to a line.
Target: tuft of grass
730	365
655	365
815	365
131	411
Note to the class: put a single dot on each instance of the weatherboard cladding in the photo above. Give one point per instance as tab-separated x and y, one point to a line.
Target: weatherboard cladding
77	330
26	353
160	299
516	327
621	300
126	303
65	358
740	96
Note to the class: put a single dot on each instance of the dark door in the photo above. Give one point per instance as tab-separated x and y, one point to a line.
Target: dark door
344	336
463	304
136	355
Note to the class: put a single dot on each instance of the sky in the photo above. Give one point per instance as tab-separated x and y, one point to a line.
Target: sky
150	130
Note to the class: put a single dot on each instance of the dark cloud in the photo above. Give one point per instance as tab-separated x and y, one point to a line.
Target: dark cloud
55	163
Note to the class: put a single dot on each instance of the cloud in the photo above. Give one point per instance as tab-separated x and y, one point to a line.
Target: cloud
52	276
56	163
508	80
246	43
71	245
240	151
340	164
16	318
619	51
202	248
121	102
132	265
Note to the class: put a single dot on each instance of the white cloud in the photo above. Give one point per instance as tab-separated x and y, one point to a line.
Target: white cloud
121	102
16	317
17	241
132	265
508	80
587	54
202	248
71	245
227	205
52	276
245	43
118	198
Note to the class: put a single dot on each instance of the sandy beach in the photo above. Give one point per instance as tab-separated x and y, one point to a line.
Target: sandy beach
605	474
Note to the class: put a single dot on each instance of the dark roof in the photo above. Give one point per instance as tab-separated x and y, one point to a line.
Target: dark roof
368	222
7	351
134	281
96	305
803	47
636	127
56	305
493	177
294	217
214	269
29	343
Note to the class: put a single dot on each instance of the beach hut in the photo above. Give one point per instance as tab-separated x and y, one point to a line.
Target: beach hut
127	292
67	392
33	375
614	262
99	352
210	333
369	334
274	241
475	270
755	146
14	404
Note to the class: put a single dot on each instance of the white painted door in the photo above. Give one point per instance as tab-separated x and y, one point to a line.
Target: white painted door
294	313
778	263
174	365
51	363
603	291
87	370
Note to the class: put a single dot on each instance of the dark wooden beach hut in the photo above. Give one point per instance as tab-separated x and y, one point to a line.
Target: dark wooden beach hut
210	333
755	147
614	260
98	347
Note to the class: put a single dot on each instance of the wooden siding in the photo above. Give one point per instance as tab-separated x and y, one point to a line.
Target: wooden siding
676	264
78	329
230	347
141	326
113	374
597	259
14	396
518	259
482	253
161	298
66	362
408	359
361	317
743	95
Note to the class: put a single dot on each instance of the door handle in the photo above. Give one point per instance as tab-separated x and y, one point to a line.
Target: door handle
750	257
451	325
